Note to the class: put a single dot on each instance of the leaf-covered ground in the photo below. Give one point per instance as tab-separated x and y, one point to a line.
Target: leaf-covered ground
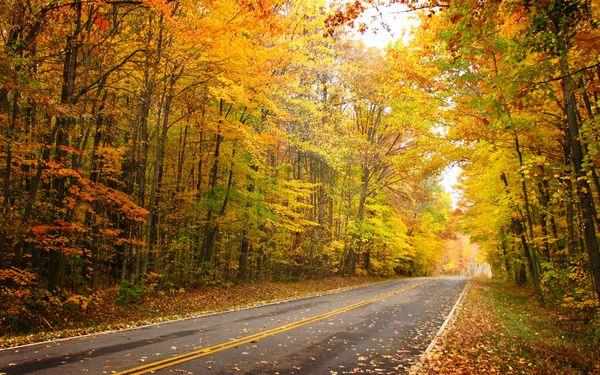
503	329
105	314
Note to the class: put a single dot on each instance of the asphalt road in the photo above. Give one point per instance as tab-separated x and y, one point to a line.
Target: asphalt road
378	329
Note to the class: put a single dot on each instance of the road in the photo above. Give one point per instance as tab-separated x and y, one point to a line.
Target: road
378	329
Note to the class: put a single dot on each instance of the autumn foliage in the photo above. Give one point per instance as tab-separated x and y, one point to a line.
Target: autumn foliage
154	145
522	79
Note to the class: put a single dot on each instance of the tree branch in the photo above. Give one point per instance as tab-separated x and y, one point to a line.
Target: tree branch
104	76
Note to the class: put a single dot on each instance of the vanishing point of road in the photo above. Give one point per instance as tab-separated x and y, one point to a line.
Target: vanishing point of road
381	328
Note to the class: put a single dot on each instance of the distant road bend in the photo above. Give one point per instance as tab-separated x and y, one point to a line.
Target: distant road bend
378	329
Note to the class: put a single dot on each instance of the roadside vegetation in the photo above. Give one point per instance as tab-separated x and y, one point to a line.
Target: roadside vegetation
105	311
503	329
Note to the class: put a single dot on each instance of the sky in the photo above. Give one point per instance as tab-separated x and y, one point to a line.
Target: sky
387	24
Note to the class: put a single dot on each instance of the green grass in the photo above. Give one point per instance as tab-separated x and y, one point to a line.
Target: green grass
543	332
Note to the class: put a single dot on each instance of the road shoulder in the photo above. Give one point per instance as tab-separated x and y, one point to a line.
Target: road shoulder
504	329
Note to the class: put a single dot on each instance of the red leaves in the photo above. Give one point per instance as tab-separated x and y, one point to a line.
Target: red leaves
85	199
40	230
102	23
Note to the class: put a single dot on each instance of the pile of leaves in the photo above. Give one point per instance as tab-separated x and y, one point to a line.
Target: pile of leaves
103	311
504	330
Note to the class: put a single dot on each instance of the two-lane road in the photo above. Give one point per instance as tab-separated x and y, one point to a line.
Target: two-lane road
377	329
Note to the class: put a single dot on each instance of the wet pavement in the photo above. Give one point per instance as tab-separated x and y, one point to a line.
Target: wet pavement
377	329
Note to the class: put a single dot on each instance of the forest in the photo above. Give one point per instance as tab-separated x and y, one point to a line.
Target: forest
164	144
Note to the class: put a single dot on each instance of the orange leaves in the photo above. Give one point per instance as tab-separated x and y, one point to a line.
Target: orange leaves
58	237
59	226
344	16
40	230
86	190
262	8
131	242
110	160
588	41
57	169
64	237
109	232
118	201
160	5
16	276
81	195
70	149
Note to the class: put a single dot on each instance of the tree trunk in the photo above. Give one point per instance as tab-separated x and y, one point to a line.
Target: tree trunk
181	158
10	134
211	231
519	232
243	259
156	193
584	191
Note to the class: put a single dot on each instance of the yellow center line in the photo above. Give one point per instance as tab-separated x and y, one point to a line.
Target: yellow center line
209	350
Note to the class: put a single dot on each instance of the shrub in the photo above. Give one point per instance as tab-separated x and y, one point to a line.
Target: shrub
129	293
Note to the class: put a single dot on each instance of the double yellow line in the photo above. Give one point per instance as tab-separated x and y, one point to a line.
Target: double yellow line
209	350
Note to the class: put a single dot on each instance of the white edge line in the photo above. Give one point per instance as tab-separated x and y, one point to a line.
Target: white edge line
417	366
212	313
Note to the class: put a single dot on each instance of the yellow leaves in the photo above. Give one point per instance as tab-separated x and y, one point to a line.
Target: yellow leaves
160	5
268	138
515	21
289	209
79	301
585	306
290	220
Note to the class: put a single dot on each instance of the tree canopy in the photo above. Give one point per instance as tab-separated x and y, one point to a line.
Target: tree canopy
180	143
